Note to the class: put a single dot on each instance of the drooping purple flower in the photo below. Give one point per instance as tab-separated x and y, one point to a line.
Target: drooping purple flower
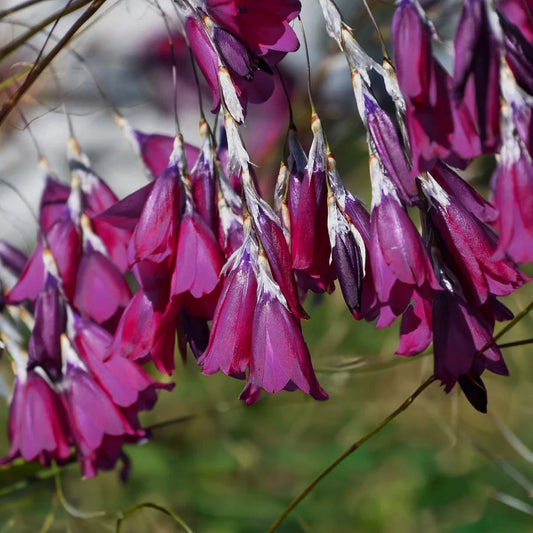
387	145
459	335
512	186
398	255
310	244
153	244
38	423
279	357
229	348
477	62
92	415
438	128
471	246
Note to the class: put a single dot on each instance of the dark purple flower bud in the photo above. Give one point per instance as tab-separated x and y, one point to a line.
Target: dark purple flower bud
348	254
471	246
386	144
38	427
44	347
459	333
280	358
477	61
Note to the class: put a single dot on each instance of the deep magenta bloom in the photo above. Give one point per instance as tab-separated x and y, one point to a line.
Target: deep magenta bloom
310	244
416	331
512	186
398	256
471	246
438	128
198	262
459	334
261	26
477	62
230	347
153	244
38	423
279	359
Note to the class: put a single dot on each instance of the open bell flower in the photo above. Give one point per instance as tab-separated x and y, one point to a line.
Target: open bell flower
279	358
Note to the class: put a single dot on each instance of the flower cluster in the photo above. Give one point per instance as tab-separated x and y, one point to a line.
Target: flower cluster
202	245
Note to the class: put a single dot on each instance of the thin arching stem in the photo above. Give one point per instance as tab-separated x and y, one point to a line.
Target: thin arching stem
36	72
19	7
349	451
54	17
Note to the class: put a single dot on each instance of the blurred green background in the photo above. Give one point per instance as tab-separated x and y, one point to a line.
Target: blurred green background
439	467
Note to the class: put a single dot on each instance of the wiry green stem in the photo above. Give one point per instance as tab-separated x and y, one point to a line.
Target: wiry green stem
349	451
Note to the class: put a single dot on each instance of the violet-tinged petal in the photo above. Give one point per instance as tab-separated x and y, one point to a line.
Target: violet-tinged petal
280	358
53	199
31	280
389	149
198	258
416	333
155	151
126	212
38	427
101	291
229	347
12	258
44	347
